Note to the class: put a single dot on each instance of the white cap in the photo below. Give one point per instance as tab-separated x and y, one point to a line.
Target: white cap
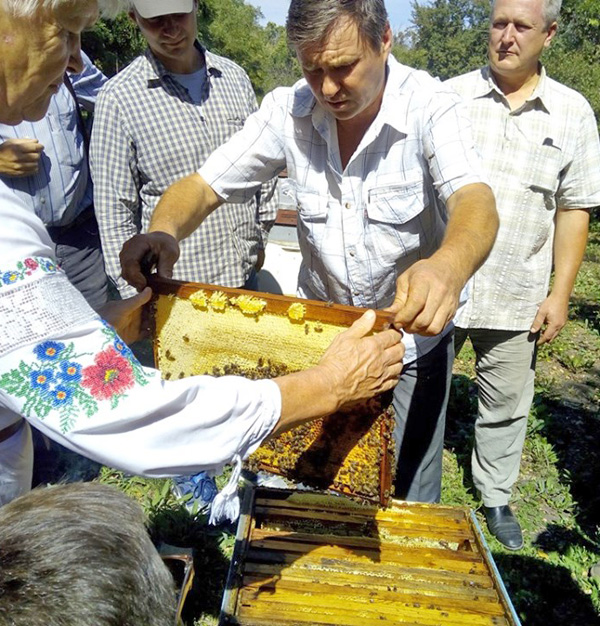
153	8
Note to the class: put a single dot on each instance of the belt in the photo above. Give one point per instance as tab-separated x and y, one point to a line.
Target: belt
9	431
83	217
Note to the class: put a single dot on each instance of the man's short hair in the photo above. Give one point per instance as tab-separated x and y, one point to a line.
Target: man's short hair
80	554
310	22
28	8
550	10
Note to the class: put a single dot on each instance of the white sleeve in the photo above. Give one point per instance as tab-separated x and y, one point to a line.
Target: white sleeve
86	390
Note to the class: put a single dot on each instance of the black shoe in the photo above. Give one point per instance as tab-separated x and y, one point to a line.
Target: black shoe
504	526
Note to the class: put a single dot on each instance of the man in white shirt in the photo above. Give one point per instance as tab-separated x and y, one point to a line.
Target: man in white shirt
67	371
373	151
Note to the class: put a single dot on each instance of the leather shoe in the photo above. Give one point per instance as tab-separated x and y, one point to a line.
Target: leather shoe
504	526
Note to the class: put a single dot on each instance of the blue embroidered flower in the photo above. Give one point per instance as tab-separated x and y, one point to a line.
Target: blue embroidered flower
61	396
122	348
41	379
47	265
49	350
70	371
8	278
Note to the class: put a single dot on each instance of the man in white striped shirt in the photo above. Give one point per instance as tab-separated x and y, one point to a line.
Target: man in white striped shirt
539	144
392	207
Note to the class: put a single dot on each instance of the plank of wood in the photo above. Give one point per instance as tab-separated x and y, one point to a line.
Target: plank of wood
325	312
339	596
370	613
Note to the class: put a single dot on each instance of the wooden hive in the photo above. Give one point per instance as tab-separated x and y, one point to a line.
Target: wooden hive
203	329
303	558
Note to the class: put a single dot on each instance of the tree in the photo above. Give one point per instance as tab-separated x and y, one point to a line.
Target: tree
113	44
448	37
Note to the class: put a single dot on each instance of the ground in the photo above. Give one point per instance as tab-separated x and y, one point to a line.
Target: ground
557	497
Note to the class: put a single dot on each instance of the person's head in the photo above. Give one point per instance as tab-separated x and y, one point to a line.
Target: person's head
80	554
519	32
343	47
39	41
170	30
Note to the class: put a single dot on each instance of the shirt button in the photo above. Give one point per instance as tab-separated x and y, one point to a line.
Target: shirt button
347	205
351	253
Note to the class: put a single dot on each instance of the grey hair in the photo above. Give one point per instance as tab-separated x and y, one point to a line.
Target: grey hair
80	554
28	8
550	11
310	22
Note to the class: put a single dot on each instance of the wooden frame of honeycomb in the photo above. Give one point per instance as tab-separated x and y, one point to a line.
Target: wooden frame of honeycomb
204	329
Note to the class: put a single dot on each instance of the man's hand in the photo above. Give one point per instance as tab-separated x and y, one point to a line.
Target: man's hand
143	252
427	296
361	366
20	157
550	319
128	316
356	366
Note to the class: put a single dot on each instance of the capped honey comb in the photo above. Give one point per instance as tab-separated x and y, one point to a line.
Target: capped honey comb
203	329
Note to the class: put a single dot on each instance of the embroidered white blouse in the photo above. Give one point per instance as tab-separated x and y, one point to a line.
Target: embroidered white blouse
69	374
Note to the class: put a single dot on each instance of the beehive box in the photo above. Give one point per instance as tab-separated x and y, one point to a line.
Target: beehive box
202	329
303	558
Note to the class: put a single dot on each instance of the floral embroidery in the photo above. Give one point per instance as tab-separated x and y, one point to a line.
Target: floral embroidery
26	268
111	375
56	380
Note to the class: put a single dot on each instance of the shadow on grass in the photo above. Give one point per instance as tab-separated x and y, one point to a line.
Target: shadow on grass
528	579
460	419
574	434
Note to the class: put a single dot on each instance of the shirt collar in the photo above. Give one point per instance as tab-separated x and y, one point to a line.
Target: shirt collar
158	72
488	84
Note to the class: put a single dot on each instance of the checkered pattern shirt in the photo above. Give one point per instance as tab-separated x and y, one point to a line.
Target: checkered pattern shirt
541	156
359	227
147	134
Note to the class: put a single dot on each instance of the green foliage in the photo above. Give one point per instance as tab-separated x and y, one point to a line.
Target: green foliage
449	37
113	44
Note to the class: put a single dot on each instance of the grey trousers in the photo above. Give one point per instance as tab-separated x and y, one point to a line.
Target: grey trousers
420	402
505	368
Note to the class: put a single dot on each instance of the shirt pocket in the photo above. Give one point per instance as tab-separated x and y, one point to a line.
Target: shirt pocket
542	174
394	220
312	210
542	180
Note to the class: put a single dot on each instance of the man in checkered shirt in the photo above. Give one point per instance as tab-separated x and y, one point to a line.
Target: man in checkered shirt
539	144
392	208
158	120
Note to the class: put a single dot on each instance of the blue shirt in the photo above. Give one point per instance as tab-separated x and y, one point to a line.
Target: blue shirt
62	187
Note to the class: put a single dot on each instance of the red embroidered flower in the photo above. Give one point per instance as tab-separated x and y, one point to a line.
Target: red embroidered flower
111	375
32	264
